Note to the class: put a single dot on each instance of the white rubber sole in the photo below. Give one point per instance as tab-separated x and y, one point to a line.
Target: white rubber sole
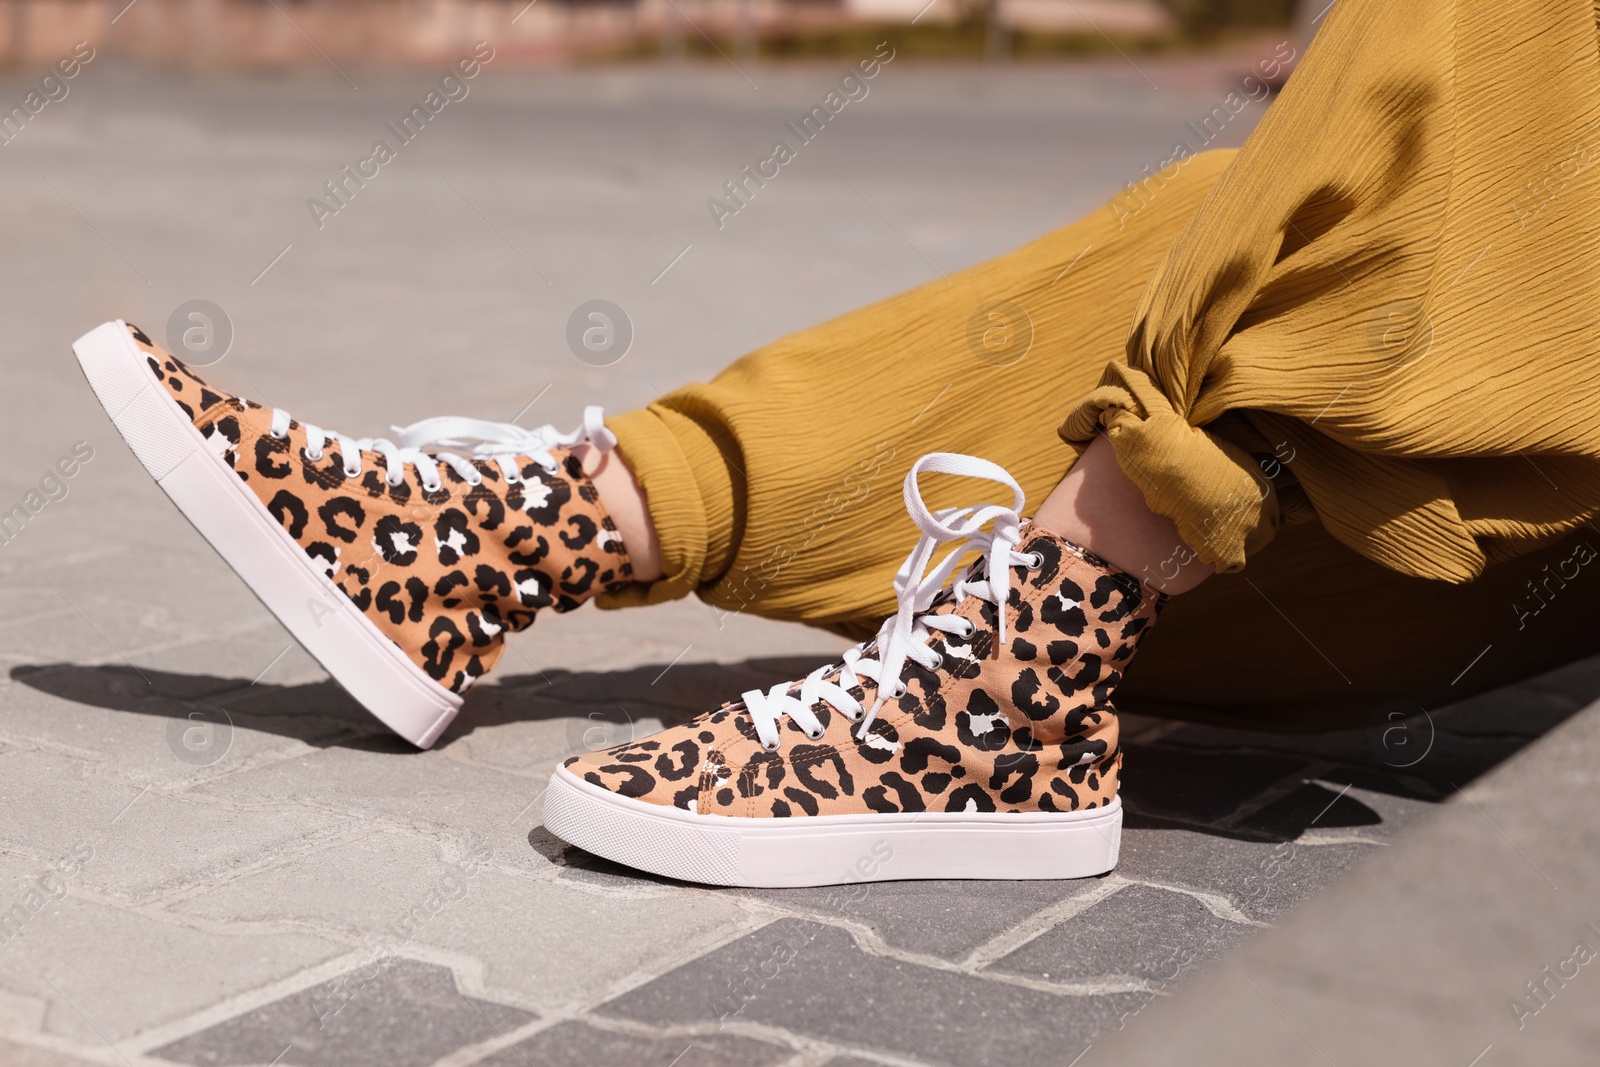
830	849
211	496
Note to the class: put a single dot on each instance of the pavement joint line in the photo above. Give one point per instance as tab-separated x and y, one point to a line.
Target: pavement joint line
96	760
196	637
282	860
466	973
498	1032
1323	838
479	1051
246	1001
870	943
1183	822
174	889
651	969
867	940
819	1047
1215	903
44	1041
1030	927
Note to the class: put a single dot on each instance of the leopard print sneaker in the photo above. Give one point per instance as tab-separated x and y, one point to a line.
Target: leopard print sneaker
974	737
399	564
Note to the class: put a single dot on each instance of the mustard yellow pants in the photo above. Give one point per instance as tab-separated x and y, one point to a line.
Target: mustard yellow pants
1354	361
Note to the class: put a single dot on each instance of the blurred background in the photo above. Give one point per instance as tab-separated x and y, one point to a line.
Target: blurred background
277	33
167	159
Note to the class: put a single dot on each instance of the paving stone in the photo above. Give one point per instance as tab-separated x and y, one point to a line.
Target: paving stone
144	842
1580	680
852	1061
145	736
114	637
1201	786
182	587
1529	709
106	971
380	776
664	690
389	887
23	595
634	156
575	1044
264	655
575	865
393	1012
1343	746
14	1055
684	633
531	736
1328	806
1417	955
1138	932
307	702
541	942
121	685
1261	879
811	979
945	919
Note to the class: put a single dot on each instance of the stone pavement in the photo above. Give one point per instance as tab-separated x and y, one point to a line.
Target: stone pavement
209	855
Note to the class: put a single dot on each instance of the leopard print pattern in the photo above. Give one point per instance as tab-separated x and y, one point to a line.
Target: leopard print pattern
443	574
1026	727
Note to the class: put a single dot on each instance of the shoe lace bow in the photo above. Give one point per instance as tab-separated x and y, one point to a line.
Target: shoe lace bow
905	634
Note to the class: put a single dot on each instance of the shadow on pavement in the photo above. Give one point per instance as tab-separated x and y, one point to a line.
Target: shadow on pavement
1244	784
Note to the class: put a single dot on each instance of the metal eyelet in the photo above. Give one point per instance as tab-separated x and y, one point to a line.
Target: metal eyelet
352	472
434	488
315	457
278	436
770	748
900	690
815	736
554	468
1037	561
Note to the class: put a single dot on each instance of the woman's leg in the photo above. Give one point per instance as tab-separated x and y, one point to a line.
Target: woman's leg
775	487
1098	506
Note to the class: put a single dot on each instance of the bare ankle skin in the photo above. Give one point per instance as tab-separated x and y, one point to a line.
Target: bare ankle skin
625	502
1098	507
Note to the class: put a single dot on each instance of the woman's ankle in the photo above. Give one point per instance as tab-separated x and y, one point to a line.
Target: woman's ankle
1097	506
625	502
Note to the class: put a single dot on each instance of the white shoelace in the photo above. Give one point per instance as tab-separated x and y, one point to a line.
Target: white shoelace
426	444
905	634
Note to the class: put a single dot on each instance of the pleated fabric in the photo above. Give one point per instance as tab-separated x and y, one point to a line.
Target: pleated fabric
1395	283
1354	362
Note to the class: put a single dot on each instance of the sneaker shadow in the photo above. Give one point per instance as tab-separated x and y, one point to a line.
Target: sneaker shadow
608	704
1228	782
